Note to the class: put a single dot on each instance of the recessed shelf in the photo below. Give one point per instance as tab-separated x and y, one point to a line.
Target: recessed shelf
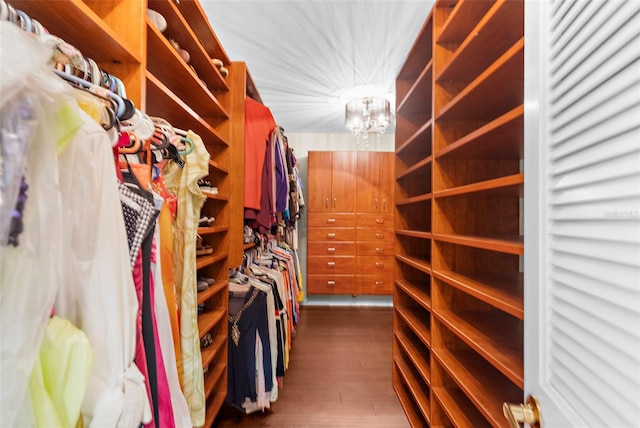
503	244
212	290
482	46
511	185
414	233
249	245
217	197
407	402
73	21
418	98
420	396
204	261
480	101
193	12
215	165
415	292
415	262
420	359
213	407
478	382
416	325
207	320
424	163
424	131
458	408
479	330
212	378
414	200
504	290
165	64
164	103
210	352
212	230
464	17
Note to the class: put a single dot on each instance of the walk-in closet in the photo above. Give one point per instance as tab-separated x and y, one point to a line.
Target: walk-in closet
410	213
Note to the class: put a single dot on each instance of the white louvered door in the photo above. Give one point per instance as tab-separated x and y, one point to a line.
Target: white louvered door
582	211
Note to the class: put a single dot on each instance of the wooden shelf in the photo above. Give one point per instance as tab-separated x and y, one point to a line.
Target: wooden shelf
180	30
212	378
207	320
164	103
217	197
193	13
502	244
464	17
511	185
166	65
249	245
408	404
503	290
420	396
419	358
414	200
482	91
414	233
212	230
420	53
204	261
217	166
502	138
418	98
482	47
424	163
479	331
213	407
480	385
415	292
459	409
212	290
104	44
416	325
422	132
416	263
210	352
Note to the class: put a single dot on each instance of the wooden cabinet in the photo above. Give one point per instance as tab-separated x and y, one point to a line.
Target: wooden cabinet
374	182
332	182
123	41
458	323
350	251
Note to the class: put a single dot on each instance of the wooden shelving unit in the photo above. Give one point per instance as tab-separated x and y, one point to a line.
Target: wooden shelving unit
458	295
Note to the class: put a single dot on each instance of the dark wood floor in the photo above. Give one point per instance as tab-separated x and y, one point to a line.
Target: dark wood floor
339	374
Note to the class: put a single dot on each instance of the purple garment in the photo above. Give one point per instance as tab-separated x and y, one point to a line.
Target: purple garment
282	177
263	217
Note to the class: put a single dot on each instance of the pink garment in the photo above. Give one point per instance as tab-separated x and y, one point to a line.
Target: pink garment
141	358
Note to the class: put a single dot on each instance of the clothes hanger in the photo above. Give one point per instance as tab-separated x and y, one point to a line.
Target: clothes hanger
88	85
189	143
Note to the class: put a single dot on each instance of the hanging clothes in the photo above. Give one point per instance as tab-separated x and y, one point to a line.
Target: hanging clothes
258	125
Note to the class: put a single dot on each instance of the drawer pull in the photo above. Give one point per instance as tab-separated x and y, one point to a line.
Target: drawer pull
331	220
379	283
379	235
331	264
331	250
379	264
379	250
331	235
379	221
331	283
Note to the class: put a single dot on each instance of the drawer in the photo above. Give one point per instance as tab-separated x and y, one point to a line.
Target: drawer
374	248
331	219
379	219
338	248
375	234
375	265
374	284
331	284
331	265
331	234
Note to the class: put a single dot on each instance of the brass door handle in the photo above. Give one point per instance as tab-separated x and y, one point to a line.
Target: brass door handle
376	202
331	264
326	203
528	413
331	283
334	202
331	235
331	220
331	250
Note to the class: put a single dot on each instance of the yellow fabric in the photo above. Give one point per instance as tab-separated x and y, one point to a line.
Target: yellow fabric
59	377
183	182
168	282
64	129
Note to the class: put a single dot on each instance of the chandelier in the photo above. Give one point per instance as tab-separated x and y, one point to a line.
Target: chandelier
367	115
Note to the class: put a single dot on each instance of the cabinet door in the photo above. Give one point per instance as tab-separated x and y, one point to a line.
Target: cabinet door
368	182
319	182
387	179
343	181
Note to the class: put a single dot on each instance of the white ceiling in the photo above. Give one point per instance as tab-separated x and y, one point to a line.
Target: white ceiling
303	54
